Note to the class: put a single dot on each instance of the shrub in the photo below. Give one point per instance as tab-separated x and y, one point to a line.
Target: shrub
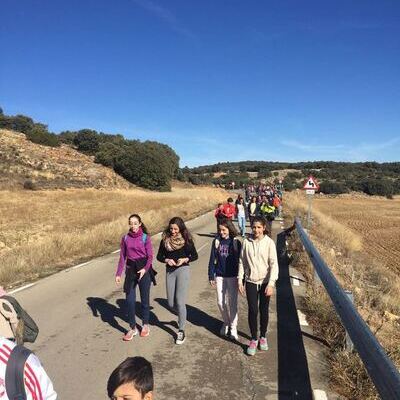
108	154
87	141
29	185
332	187
40	135
67	137
381	187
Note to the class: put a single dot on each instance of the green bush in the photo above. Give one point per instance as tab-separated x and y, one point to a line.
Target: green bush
40	135
67	137
108	154
87	141
332	187
381	187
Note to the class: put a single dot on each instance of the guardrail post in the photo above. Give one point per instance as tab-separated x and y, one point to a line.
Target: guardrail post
349	344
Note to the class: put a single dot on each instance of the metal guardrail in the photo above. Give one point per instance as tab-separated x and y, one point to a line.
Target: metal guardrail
380	367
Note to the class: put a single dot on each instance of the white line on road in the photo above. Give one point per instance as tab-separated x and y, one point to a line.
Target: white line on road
116	251
81	265
302	318
202	247
319	395
22	288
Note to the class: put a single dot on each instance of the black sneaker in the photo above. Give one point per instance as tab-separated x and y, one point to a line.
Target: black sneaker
180	338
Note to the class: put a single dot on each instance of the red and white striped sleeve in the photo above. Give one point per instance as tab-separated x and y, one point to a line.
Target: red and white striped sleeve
37	380
37	383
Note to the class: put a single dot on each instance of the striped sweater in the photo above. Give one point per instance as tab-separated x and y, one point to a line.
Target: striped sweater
38	385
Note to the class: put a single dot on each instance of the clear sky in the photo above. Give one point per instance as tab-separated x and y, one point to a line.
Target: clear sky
217	80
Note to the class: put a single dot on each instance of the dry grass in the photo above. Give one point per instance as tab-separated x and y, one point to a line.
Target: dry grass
47	230
337	232
356	237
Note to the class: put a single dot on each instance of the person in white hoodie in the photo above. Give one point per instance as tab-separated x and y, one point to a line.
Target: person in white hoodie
258	272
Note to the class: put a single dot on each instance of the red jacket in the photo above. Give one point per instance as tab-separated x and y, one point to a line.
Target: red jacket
229	210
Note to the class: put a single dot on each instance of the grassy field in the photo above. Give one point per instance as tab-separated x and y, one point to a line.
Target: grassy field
42	231
375	220
358	238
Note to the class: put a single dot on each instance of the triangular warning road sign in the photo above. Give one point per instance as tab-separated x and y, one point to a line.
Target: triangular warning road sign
311	184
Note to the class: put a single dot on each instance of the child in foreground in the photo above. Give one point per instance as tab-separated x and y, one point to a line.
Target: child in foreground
132	379
258	272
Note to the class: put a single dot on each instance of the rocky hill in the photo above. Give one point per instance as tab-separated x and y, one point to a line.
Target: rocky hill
33	166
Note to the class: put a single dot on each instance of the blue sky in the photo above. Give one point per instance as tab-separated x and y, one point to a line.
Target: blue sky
217	80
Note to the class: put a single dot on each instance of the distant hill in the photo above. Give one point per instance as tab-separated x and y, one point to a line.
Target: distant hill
33	166
149	164
334	177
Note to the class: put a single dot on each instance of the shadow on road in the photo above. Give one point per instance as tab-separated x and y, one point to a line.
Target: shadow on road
293	376
200	318
107	312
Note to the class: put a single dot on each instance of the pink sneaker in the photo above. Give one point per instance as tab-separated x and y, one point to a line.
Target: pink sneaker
130	335
263	343
145	331
251	350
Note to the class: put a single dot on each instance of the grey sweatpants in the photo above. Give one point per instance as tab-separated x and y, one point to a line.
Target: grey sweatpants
177	287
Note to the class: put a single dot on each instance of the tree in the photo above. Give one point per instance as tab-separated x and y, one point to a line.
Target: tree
332	187
87	141
40	135
22	123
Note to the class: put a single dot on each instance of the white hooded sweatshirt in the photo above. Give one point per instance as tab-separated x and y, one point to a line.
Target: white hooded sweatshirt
258	262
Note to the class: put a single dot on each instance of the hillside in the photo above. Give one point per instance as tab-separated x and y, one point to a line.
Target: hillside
334	177
23	162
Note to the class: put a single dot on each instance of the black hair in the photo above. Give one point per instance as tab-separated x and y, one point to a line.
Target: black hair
182	229
135	370
230	200
229	225
144	229
264	223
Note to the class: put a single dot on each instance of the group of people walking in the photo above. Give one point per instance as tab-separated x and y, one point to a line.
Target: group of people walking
248	266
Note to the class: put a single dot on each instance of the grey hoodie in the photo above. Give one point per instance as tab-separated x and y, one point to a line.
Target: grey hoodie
258	262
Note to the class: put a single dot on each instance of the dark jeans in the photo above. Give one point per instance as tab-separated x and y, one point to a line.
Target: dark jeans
257	301
144	288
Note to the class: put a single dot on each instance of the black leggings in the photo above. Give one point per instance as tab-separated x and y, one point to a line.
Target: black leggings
256	299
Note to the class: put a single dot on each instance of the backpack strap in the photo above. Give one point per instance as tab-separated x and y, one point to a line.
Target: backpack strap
14	382
144	238
235	246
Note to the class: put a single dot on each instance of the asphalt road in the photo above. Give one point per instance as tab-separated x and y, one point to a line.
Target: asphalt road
82	317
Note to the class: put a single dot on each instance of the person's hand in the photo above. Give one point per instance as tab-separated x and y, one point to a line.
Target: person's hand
182	261
118	280
212	283
241	289
140	273
170	262
269	291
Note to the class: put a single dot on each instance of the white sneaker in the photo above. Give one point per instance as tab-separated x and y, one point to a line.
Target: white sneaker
224	330
234	334
180	337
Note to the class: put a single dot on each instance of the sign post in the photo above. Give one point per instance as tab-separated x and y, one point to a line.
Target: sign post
310	186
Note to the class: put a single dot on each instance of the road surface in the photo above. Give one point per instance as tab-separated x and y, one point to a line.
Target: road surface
82	317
